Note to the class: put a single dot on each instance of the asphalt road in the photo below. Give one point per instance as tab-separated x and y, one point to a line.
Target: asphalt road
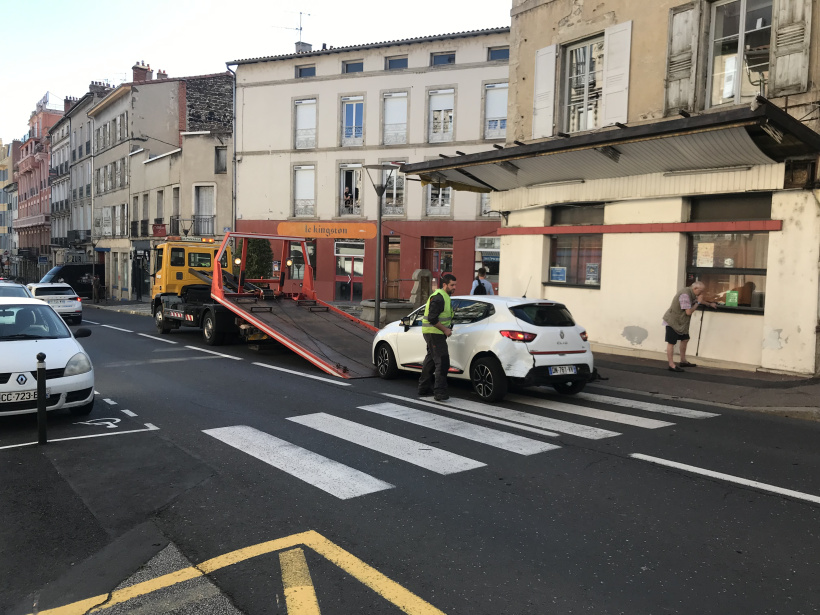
223	484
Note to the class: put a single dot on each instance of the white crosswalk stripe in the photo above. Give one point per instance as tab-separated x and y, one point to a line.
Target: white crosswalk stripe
419	454
516	417
462	429
330	476
647	406
594	413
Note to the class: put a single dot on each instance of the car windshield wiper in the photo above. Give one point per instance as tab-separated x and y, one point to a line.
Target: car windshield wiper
28	336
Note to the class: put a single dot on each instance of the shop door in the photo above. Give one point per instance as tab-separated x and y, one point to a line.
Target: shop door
349	278
438	257
392	268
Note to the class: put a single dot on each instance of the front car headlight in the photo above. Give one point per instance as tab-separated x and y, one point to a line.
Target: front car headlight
78	364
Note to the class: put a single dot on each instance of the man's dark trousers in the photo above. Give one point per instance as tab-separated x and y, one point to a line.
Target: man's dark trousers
436	364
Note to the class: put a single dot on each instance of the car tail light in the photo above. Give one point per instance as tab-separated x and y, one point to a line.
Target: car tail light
79	298
519	336
584	335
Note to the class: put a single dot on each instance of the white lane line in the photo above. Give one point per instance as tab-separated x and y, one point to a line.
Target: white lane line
419	402
91	322
417	453
213	352
515	418
462	429
110	402
593	413
117	328
148	427
96	392
339	381
128	412
646	405
728	477
154	337
330	476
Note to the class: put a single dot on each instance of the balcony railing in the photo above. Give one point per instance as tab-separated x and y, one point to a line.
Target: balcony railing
495	128
304	208
203	225
135	228
352	136
174	230
143	228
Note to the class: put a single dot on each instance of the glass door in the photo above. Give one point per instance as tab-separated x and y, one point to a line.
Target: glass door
349	270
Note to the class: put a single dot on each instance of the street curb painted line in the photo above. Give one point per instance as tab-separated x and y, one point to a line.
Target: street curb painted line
304	375
91	322
213	352
117	328
159	339
128	413
149	427
300	595
728	477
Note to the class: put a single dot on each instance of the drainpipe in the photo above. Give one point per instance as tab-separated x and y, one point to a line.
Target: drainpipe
233	119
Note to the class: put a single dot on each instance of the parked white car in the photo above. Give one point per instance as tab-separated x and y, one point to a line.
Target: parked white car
496	341
13	289
62	298
27	328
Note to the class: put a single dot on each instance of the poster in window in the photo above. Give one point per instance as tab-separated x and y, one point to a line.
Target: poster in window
558	274
593	275
706	255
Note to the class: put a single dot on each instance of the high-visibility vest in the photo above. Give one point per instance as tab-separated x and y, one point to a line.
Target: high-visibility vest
445	318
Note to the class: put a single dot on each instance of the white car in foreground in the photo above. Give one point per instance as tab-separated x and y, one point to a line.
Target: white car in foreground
496	341
62	298
27	328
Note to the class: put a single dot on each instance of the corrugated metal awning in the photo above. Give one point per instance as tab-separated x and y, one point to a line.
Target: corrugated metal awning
728	139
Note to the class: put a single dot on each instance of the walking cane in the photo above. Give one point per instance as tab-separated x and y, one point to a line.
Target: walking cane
699	332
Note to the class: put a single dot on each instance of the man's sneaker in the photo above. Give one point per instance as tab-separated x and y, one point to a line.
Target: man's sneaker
425	393
441	397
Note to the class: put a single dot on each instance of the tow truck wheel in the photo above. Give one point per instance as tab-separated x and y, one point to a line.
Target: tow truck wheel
386	362
159	321
209	332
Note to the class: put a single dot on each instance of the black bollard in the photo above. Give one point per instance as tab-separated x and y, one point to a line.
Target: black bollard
42	438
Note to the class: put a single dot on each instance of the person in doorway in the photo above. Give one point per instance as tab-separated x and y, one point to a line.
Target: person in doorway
677	319
95	288
481	286
436	327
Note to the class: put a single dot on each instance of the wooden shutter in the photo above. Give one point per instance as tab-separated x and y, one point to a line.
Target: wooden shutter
543	111
791	37
682	58
617	46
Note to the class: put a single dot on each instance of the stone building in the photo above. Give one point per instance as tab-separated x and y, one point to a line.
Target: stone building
655	144
9	153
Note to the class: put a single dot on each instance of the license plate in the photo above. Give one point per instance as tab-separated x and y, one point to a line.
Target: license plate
562	369
21	396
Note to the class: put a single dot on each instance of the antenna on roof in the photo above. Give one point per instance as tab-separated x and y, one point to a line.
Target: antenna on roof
299	29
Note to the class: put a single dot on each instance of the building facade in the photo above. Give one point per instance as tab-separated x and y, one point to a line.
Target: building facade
310	124
59	180
8	159
33	222
644	162
148	116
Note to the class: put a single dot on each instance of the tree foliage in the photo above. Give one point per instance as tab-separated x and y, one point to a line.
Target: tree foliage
260	259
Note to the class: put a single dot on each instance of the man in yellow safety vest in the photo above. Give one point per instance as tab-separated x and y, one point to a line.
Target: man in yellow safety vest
436	327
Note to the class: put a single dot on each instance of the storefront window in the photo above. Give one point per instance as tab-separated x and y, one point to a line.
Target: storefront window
297	268
732	266
488	255
575	260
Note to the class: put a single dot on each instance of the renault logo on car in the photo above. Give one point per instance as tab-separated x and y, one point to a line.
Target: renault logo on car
21	379
562	335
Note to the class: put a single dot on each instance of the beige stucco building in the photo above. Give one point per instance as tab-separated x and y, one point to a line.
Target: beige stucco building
662	143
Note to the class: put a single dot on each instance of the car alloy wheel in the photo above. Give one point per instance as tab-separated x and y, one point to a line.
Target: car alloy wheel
488	378
386	362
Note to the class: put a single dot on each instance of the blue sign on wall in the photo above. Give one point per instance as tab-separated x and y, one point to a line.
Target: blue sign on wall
558	274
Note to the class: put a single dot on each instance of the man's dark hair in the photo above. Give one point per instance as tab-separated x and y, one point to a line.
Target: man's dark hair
447	278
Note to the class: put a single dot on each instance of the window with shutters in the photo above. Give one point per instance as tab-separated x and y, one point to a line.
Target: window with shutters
739	48
304	191
441	116
395	118
305	114
438	200
495	110
393	198
352	121
682	58
350	189
583	85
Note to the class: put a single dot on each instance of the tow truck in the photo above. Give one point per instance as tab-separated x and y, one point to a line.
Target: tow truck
193	286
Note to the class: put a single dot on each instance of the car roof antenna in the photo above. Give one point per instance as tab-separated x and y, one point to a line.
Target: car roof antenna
524	296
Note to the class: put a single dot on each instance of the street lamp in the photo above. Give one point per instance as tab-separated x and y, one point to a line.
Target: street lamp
380	188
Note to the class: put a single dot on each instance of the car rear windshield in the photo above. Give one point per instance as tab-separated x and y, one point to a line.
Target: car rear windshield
7	290
54	291
542	315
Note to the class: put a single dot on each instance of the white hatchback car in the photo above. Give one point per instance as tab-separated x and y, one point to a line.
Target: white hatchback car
27	328
62	298
495	341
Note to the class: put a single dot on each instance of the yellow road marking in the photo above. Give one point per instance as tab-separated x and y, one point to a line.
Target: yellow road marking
372	578
300	597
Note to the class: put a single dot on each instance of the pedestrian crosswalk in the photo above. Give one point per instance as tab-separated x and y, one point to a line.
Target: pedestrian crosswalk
345	482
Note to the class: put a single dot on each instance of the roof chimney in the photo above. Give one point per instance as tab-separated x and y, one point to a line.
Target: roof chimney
141	72
303	47
161	74
68	102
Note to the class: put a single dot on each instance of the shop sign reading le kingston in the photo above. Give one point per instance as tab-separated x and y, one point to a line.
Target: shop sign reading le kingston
328	230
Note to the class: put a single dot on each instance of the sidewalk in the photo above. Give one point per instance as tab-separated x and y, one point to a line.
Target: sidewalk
790	396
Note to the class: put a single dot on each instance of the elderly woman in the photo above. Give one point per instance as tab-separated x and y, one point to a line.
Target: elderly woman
676	320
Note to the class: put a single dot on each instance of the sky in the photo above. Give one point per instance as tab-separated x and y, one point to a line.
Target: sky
75	42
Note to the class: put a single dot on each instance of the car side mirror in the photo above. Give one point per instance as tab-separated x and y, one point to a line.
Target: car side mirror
407	322
82	332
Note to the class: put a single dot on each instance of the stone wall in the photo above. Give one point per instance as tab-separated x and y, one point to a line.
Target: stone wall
210	103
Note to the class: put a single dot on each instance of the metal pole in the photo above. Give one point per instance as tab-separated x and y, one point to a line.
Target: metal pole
42	437
377	311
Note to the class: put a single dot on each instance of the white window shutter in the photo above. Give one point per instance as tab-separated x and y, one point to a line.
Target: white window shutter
617	47
682	58
791	37
543	109
395	110
305	116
